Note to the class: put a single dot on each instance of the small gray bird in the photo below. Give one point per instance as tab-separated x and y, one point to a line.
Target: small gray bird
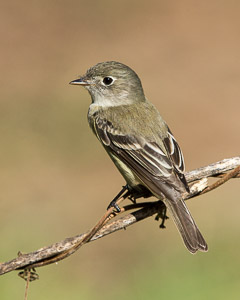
139	142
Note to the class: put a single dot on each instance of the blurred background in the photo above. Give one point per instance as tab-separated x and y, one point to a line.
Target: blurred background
55	178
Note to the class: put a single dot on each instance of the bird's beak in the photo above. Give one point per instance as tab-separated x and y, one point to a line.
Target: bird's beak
81	81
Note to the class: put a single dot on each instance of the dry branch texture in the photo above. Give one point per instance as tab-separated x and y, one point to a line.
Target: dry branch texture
226	169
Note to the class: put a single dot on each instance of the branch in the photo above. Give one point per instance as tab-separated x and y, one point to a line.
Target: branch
225	169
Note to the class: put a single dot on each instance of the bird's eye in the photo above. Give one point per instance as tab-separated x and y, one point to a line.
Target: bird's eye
107	80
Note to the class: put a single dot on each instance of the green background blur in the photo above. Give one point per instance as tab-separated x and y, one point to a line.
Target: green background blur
55	178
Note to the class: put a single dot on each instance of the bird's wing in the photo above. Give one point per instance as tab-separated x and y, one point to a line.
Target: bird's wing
159	167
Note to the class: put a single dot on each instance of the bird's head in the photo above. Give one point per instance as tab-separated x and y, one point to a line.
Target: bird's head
112	83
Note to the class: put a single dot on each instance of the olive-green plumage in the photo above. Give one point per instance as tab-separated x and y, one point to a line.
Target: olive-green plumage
139	142
127	122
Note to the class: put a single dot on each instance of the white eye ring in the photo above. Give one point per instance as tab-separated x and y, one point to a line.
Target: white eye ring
108	80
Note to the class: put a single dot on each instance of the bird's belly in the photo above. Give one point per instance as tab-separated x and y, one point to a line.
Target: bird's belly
131	179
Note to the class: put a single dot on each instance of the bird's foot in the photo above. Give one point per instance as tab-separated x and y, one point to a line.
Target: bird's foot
162	215
113	203
133	199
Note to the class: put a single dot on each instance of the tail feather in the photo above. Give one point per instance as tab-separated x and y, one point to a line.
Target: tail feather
187	227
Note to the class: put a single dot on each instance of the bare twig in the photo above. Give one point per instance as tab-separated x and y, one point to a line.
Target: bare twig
214	170
221	181
27	285
61	250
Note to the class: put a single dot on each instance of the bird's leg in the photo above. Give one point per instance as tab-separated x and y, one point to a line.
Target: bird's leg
119	195
131	194
132	198
135	194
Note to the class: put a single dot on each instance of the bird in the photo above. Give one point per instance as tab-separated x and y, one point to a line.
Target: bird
139	142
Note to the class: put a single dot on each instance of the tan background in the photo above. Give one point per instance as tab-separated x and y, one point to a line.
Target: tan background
56	180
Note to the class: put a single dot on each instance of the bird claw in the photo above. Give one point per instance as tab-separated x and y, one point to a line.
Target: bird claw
162	215
113	203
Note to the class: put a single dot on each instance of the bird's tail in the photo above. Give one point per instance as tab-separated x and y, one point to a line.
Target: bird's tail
187	227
